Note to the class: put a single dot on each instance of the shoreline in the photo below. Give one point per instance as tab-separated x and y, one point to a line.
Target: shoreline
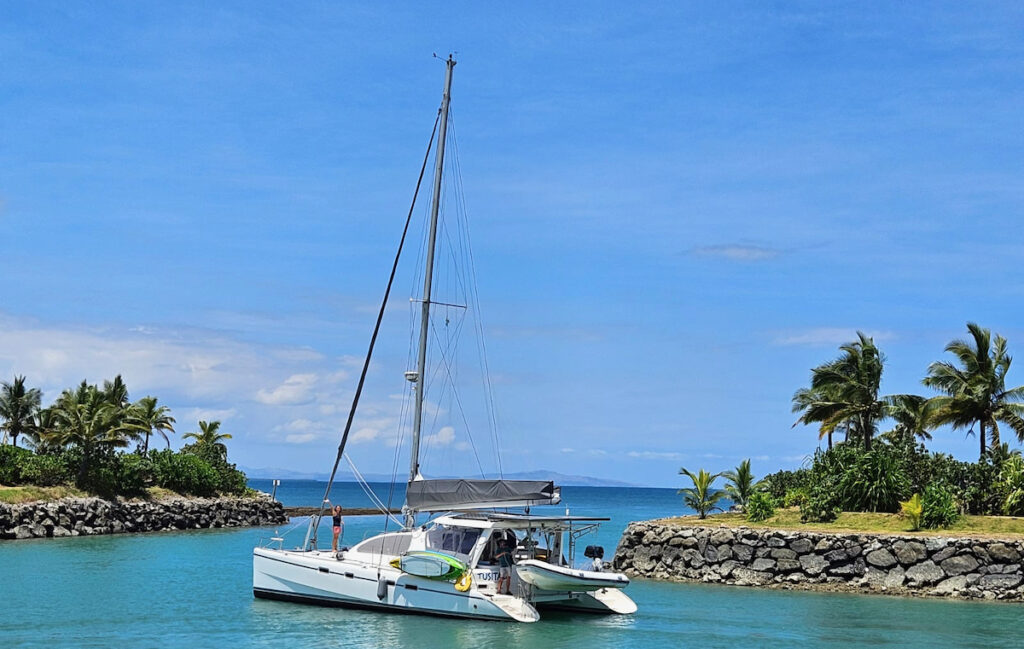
70	517
783	559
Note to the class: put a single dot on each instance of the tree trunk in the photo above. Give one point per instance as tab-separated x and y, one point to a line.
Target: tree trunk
83	468
981	436
867	435
830	440
14	439
145	446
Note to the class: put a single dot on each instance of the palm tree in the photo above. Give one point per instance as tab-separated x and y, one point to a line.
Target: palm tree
209	438
912	414
152	418
116	392
700	497
975	391
741	484
87	419
845	391
17	406
803	399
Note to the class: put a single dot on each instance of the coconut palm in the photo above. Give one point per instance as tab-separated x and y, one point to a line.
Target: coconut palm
803	400
740	484
845	391
209	439
912	414
86	418
17	407
116	392
153	419
974	390
701	497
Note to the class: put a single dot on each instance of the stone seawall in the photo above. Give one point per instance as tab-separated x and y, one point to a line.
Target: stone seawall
902	565
88	516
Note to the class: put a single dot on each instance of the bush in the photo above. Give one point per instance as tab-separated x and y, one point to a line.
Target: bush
134	474
760	507
1011	480
229	479
875	483
12	462
795	497
46	470
778	484
939	507
912	510
184	473
821	506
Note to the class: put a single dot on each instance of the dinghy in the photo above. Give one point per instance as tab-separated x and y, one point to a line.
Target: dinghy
548	576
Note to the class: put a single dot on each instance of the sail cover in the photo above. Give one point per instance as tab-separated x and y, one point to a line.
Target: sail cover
444	495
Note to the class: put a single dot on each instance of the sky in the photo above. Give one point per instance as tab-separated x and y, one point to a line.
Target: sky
676	210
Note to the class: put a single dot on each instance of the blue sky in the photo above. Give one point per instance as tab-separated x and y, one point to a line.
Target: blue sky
677	210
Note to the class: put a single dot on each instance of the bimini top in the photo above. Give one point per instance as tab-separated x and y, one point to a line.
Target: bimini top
449	495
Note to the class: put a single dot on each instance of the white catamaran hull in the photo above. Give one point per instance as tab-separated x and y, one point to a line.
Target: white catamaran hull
318	578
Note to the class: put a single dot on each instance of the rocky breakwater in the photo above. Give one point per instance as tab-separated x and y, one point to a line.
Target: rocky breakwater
88	516
904	565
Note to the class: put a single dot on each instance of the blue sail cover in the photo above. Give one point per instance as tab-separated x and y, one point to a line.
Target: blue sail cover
445	495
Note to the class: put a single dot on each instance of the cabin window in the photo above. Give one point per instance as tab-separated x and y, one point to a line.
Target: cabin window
388	544
453	540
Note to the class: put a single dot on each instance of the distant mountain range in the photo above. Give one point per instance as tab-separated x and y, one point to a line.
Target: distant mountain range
560	479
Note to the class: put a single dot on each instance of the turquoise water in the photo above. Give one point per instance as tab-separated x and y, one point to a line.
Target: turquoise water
193	589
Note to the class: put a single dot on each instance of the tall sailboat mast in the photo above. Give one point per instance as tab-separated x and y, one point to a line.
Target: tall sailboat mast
421	364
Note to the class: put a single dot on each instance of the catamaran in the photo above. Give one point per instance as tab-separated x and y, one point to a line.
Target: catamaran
450	563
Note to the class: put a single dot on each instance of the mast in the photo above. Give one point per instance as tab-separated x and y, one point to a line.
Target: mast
421	364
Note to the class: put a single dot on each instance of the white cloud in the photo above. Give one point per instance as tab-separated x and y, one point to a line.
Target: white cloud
827	336
443	437
655	455
737	252
205	414
300	438
297	389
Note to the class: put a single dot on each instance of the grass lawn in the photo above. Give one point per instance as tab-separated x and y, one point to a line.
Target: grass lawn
32	493
789	519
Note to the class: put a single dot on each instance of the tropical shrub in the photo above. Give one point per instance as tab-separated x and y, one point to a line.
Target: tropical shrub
46	470
1011	478
184	473
821	506
939	507
875	483
12	460
134	474
795	497
912	510
781	482
760	507
701	498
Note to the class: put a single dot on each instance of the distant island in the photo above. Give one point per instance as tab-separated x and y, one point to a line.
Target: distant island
560	479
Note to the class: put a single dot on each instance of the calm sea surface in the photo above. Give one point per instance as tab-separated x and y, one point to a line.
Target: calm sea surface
193	589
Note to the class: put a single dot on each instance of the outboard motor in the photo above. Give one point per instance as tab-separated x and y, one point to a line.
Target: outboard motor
595	552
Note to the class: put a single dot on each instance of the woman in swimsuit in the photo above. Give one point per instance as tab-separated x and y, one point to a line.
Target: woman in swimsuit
339	524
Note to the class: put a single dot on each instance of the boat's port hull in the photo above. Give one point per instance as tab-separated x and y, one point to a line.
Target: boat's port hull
317	578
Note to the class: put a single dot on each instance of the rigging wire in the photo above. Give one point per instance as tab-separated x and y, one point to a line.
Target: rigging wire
315	522
474	298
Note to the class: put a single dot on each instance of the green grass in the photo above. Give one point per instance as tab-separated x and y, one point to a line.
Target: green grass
31	493
789	519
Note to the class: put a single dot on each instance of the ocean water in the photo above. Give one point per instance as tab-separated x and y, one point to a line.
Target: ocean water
193	589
